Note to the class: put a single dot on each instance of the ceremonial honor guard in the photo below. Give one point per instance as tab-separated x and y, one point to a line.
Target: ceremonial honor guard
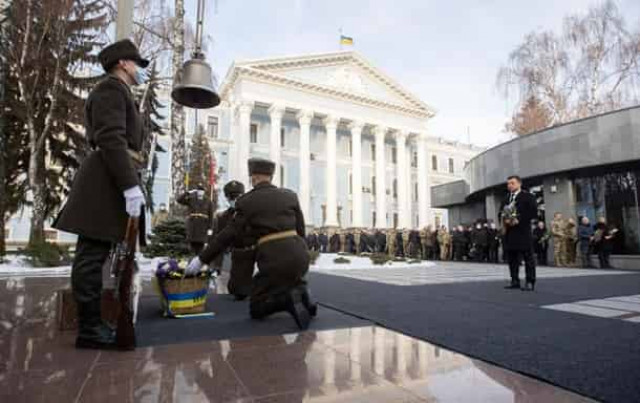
271	217
517	212
199	216
106	189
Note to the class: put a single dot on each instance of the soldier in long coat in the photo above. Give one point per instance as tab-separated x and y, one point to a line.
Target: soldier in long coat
271	217
558	225
106	189
199	217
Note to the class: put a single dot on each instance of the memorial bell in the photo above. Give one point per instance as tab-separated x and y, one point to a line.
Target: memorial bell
193	85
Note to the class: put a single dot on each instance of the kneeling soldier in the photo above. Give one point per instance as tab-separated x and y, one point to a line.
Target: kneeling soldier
272	219
242	251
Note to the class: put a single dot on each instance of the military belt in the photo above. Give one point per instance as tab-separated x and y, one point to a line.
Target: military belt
198	215
276	236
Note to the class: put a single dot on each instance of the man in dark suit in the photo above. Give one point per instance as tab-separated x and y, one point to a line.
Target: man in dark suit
271	217
517	212
106	189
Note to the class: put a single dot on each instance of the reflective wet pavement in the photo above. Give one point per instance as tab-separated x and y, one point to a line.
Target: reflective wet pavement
369	364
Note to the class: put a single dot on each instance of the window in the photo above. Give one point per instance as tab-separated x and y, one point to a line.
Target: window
253	133
324	214
373	152
212	127
349	149
395	188
350	184
281	175
434	163
414	159
373	184
373	218
395	220
438	220
415	192
282	138
451	166
394	155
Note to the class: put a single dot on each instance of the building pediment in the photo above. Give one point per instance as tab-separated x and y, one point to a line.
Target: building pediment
344	75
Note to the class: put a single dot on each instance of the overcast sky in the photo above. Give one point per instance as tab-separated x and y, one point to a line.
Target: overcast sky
445	52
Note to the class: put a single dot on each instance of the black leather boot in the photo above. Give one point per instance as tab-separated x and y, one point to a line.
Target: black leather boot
93	333
308	302
297	308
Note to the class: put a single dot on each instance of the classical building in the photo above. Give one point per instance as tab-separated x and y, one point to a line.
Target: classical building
352	142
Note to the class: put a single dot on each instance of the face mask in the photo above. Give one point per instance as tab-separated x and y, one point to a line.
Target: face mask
232	203
200	193
478	226
138	76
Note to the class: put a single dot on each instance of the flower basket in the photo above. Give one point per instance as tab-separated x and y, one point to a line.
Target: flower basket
181	295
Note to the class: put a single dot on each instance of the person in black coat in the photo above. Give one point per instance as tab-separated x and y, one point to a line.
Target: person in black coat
516	214
494	243
272	218
334	243
106	189
459	242
399	244
381	241
323	241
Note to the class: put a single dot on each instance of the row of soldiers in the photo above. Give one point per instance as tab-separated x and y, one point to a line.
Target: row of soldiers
479	243
570	239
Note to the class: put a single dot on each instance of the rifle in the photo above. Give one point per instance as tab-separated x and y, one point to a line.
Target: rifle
124	271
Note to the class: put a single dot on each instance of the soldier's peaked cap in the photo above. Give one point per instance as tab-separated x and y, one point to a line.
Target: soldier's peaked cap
121	50
233	188
261	166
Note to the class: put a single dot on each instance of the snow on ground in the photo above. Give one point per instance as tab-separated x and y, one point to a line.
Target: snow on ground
326	262
16	266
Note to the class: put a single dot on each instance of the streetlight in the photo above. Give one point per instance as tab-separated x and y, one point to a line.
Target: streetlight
193	85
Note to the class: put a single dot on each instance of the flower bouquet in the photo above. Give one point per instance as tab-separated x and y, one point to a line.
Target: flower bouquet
509	216
181	294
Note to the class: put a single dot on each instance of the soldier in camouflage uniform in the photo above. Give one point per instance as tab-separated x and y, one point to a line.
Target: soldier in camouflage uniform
559	245
391	243
571	237
444	239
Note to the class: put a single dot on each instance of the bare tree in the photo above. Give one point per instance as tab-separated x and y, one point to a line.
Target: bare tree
606	59
591	67
178	152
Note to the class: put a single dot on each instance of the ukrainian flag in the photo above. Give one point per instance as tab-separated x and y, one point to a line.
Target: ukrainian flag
346	40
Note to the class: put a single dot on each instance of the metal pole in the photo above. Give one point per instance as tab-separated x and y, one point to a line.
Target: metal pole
124	19
199	27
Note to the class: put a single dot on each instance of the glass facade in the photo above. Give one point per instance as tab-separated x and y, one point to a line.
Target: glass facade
613	196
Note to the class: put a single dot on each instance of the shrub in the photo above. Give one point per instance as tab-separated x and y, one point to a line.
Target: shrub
47	254
169	239
414	261
379	258
313	256
341	260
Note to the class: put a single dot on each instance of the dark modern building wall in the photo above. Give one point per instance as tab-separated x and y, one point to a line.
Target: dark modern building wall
605	139
602	148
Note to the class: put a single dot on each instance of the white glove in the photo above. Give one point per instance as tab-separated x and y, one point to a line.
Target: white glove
134	200
195	265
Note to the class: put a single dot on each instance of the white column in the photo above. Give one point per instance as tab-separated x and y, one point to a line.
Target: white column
275	113
409	185
354	350
244	128
378	352
381	191
401	174
424	188
331	125
356	172
304	118
402	345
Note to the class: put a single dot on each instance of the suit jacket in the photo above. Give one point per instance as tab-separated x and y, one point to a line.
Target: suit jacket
95	207
519	237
